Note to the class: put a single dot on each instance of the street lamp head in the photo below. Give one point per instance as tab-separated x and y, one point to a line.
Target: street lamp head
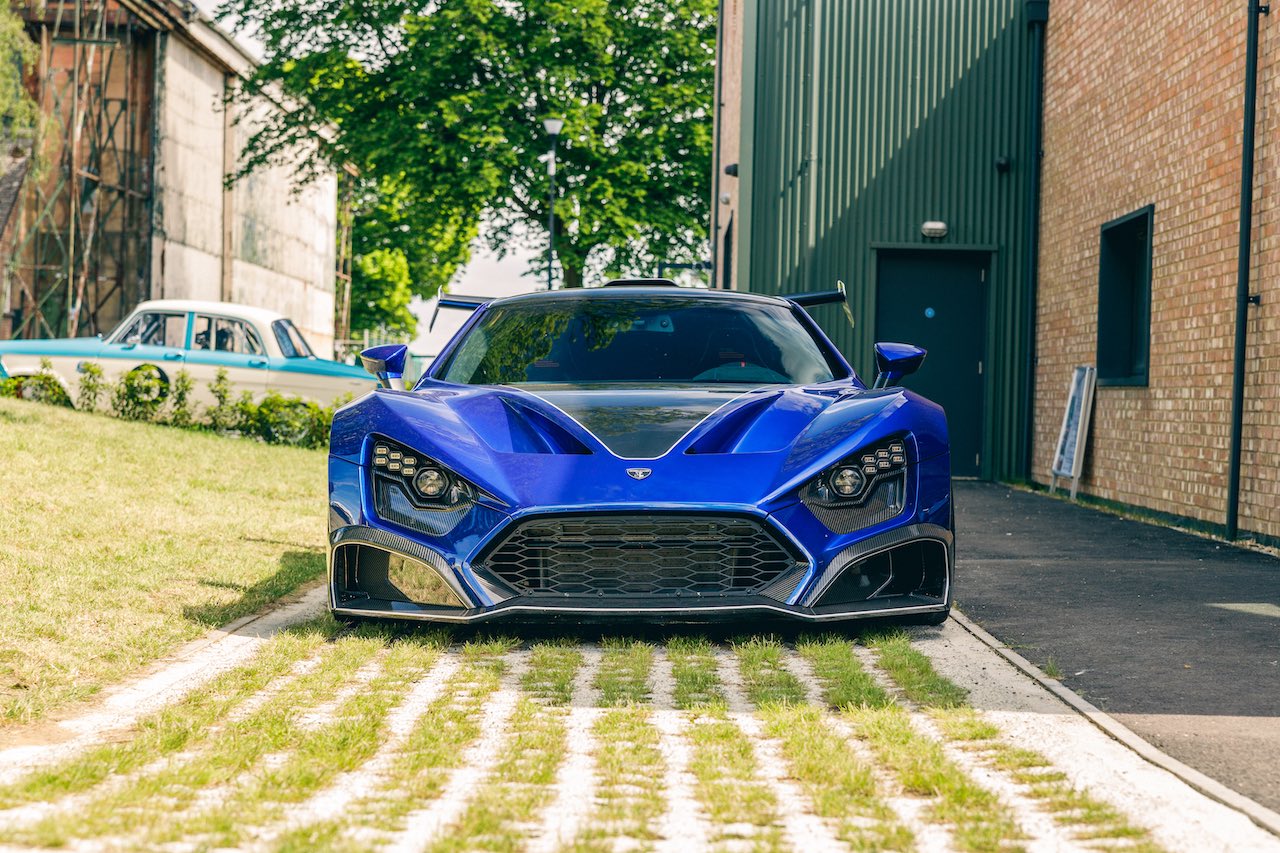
553	126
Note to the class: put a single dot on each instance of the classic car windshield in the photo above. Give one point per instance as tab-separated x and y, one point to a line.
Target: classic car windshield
667	339
291	342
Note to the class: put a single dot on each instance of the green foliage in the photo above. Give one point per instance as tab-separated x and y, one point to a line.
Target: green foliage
42	387
180	411
282	420
381	292
440	106
92	386
140	393
224	415
17	110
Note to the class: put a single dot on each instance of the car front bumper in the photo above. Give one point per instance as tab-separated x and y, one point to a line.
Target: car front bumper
376	573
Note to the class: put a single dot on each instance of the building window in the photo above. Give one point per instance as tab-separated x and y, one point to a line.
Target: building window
1124	299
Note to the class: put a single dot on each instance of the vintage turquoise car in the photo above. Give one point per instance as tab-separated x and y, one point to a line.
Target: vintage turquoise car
260	350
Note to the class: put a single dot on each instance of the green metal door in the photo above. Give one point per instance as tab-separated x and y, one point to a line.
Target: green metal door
937	300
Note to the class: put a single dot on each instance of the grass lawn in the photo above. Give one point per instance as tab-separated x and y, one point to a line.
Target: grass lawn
122	540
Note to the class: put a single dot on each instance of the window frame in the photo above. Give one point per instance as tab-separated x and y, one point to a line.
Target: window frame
1137	317
120	337
253	333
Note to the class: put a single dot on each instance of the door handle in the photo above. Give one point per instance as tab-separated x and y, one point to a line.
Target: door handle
257	362
172	356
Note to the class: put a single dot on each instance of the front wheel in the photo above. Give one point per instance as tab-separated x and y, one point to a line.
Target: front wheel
928	618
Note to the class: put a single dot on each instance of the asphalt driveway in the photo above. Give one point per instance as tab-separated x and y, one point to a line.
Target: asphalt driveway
1175	635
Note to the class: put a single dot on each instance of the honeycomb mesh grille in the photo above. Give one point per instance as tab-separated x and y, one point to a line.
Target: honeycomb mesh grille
640	555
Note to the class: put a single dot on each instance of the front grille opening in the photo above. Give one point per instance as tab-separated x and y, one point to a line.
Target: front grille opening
914	568
661	556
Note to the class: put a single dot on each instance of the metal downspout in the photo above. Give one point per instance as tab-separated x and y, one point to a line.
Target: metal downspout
1037	20
1242	266
715	165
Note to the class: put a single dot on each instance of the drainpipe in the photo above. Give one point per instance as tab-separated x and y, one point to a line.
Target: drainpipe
719	131
1037	20
1243	299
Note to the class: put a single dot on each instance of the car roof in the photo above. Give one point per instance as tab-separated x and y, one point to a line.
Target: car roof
232	309
633	291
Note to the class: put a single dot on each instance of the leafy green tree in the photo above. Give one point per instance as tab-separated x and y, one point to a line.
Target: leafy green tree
441	103
17	54
380	292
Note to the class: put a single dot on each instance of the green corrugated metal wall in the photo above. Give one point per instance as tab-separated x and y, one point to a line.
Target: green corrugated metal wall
861	120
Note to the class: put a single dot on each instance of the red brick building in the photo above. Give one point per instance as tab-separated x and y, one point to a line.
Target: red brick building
1143	115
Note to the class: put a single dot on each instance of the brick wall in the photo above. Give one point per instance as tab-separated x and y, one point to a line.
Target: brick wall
1144	106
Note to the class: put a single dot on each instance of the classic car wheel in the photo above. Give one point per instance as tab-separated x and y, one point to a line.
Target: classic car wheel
149	383
36	392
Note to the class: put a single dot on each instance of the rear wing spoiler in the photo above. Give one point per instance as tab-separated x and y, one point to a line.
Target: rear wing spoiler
817	297
823	297
452	300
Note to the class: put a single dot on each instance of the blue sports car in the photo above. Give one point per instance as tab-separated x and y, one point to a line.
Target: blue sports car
641	451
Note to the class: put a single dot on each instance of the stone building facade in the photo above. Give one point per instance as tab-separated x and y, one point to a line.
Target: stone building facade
130	203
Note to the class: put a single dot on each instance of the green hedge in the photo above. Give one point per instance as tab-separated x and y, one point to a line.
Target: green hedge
143	395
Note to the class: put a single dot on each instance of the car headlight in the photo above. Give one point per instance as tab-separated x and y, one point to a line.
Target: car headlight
865	488
416	491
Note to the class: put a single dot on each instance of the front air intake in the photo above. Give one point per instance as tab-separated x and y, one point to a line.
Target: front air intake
662	556
917	568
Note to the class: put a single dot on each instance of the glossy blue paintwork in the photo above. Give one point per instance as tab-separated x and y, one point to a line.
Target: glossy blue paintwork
747	451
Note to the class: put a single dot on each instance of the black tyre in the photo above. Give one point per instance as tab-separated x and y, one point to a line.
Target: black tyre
928	618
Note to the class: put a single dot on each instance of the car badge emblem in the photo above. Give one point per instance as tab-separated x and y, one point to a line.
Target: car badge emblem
639	473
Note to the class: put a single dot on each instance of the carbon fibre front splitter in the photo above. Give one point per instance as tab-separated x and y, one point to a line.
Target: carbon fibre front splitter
588	612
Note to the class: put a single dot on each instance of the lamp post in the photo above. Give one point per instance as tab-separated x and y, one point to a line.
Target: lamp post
553	126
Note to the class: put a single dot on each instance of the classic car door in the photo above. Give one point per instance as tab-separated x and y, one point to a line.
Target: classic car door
231	344
152	337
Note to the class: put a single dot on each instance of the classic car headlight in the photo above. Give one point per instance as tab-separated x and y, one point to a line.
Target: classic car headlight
415	491
863	489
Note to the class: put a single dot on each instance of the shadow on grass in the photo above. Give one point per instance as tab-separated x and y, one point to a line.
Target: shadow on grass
294	569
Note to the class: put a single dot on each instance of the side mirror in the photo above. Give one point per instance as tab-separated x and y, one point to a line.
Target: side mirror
132	341
387	363
894	361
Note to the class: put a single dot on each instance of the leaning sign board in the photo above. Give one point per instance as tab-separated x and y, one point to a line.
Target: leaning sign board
1068	458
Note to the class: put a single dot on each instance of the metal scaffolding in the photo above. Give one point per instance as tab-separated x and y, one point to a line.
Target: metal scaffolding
79	255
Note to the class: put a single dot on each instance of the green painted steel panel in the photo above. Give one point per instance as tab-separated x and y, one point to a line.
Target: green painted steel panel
865	118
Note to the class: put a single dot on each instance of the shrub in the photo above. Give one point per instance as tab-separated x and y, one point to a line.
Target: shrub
139	393
42	387
180	411
91	386
290	420
224	415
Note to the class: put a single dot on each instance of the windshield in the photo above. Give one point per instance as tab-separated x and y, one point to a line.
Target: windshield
291	342
683	340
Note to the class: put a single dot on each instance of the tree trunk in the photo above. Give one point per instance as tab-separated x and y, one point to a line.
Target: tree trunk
572	276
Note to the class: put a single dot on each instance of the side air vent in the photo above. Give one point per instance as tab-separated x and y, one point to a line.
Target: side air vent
913	568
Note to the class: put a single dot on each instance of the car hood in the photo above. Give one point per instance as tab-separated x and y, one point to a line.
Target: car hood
53	347
571	447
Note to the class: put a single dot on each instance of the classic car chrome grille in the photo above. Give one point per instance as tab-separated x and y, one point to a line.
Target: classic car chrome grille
641	555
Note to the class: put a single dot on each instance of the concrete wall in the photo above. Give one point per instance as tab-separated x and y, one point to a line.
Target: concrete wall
724	202
265	242
1147	109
